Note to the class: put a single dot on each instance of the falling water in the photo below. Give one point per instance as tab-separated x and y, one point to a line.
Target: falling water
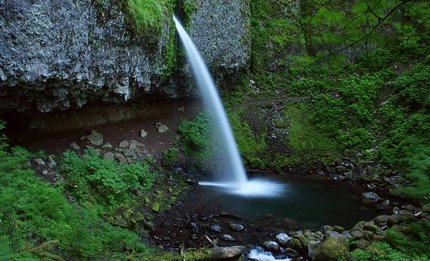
237	181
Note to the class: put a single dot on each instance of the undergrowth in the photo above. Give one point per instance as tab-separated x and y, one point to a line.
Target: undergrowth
37	222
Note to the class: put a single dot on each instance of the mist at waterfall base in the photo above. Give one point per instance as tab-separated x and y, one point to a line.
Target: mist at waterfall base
232	177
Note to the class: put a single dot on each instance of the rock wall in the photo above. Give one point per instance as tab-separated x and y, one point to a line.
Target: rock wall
221	31
58	54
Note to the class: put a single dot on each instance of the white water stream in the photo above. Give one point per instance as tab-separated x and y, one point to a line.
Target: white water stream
236	181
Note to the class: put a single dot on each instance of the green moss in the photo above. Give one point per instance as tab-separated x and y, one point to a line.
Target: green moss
304	139
148	16
333	248
191	254
249	143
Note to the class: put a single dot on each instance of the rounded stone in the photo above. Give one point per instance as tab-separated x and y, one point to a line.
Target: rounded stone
227	237
271	246
283	239
215	228
370	197
236	227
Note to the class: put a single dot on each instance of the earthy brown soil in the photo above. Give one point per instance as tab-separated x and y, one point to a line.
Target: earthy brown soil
54	132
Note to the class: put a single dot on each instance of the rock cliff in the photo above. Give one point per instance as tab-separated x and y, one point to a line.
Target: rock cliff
61	54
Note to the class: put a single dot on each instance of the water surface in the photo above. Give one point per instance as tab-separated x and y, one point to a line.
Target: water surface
310	203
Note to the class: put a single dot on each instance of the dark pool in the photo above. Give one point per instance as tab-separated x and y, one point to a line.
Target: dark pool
306	203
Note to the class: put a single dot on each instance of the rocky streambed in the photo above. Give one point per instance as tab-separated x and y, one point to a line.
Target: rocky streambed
189	222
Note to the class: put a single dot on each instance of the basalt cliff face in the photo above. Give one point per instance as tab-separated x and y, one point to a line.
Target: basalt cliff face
56	55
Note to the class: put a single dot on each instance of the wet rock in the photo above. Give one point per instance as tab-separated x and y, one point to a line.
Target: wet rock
74	146
381	220
227	237
215	228
386	204
370	226
120	158
393	219
406	216
327	228
312	246
107	145
39	162
296	244
426	208
271	246
291	252
143	133
128	153
378	237
95	138
361	244
228	253
333	248
134	145
194	227
370	198
124	144
338	229
161	128
357	234
51	161
236	227
347	234
109	156
282	239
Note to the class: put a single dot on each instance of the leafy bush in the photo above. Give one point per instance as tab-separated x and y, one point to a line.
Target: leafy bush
92	179
170	157
196	138
37	222
405	243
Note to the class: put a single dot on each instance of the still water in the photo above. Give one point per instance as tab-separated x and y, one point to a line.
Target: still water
309	203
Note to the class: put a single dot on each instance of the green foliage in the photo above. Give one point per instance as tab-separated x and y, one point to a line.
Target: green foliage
196	137
405	243
251	145
379	252
270	27
94	180
307	144
170	157
32	213
148	15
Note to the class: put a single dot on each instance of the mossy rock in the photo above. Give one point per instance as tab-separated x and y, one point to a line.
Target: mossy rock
334	248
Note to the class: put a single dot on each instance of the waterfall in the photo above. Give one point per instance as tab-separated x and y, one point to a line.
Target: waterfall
236	181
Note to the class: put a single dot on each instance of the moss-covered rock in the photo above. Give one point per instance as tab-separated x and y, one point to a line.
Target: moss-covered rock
333	248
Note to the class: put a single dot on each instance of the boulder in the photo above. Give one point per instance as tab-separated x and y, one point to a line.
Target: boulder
332	249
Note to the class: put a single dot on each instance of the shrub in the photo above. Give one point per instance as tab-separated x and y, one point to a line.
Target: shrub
92	179
33	213
196	138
